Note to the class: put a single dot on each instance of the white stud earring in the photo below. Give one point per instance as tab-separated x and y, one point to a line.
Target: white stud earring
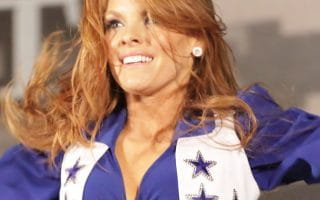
197	52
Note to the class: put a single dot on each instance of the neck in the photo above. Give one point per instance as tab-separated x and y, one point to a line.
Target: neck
151	117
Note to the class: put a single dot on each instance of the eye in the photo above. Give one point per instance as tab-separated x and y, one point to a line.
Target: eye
113	24
148	20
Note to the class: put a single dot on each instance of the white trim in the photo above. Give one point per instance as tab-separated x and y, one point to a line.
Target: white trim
88	157
231	172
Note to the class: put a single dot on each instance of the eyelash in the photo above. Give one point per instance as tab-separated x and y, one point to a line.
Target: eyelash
111	24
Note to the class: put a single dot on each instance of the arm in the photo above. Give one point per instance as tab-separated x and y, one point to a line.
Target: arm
24	174
286	146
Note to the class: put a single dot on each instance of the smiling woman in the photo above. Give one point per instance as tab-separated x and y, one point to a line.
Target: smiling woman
151	110
140	56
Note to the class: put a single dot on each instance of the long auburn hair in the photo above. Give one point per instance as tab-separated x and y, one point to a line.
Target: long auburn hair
63	106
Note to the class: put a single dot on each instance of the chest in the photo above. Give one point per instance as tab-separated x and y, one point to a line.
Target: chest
106	180
193	168
135	159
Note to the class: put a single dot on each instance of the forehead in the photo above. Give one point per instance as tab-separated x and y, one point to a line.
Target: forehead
125	5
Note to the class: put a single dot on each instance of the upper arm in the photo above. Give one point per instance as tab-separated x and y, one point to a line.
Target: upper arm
285	146
25	174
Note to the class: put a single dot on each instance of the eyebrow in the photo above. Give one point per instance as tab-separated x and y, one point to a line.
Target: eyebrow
113	12
118	14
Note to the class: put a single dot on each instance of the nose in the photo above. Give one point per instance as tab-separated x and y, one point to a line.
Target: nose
134	35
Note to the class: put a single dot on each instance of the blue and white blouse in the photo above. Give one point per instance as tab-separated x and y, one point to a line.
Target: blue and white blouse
204	164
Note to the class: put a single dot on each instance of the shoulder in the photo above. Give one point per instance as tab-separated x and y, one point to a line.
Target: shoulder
260	101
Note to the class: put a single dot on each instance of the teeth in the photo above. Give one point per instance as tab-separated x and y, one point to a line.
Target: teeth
136	59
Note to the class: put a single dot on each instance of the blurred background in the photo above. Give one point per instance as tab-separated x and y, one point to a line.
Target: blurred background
276	42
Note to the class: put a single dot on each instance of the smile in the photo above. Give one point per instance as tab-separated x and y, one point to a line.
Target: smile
136	59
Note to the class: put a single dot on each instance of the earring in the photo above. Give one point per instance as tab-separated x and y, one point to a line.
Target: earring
197	52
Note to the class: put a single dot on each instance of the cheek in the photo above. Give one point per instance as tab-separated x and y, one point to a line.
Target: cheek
178	52
112	44
176	45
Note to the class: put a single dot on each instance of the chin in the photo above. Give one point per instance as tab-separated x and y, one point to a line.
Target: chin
137	89
146	86
140	92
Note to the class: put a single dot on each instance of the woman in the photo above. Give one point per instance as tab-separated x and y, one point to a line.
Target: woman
151	110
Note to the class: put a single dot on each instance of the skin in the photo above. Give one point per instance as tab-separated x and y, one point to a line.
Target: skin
154	91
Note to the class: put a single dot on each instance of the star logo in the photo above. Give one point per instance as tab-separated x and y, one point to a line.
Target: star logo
201	166
202	195
72	172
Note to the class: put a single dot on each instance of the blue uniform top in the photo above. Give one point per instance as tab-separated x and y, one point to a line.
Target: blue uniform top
284	150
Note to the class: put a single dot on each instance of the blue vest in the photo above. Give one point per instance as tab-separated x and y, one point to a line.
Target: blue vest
205	163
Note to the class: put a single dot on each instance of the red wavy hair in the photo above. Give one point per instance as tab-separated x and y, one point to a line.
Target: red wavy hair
61	102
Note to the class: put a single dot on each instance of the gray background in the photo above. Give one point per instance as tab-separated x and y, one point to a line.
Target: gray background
276	42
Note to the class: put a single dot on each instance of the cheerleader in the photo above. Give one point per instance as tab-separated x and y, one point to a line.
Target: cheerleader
151	110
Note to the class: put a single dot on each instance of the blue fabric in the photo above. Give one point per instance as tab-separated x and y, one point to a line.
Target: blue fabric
24	175
107	173
284	150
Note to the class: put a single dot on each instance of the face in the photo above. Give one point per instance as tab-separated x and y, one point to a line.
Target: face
144	57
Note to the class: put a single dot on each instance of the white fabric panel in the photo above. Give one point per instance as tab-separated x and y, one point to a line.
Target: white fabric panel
86	158
231	174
